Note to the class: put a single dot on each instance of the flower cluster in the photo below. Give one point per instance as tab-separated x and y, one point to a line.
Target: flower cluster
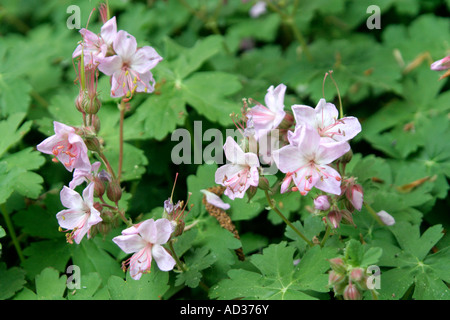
310	143
114	53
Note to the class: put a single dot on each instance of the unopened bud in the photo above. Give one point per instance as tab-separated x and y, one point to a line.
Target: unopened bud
347	157
251	192
335	278
263	184
338	265
113	191
322	203
92	144
335	218
99	187
79	102
91	103
351	292
357	274
355	195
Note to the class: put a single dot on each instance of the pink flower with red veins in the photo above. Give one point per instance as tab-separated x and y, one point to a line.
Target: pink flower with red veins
67	146
95	47
241	173
307	161
324	118
145	241
130	67
266	118
80	215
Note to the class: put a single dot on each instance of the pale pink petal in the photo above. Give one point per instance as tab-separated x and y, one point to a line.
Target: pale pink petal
304	114
164	230
71	199
274	99
305	179
88	195
163	259
233	152
47	145
288	159
146	82
144	59
327	153
226	171
130	243
330	181
345	129
140	262
147	230
61	129
326	113
110	65
215	200
125	45
70	218
109	31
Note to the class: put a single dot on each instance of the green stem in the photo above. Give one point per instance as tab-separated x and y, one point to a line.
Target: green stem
326	236
274	208
12	232
122	116
177	260
374	214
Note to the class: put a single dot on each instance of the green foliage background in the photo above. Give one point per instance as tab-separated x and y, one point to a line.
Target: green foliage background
384	79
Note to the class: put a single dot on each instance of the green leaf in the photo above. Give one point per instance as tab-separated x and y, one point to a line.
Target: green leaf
199	260
199	90
90	289
11	280
150	287
277	277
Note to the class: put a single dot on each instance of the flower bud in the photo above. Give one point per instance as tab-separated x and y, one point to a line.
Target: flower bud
351	292
357	274
92	144
99	187
113	191
338	265
322	203
263	184
335	278
335	218
355	195
91	104
386	218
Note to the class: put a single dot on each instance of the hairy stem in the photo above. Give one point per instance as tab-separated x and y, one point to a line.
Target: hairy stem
274	208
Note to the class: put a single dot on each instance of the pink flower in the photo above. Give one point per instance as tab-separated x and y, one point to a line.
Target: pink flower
322	203
80	175
67	146
95	47
145	241
306	160
266	118
442	64
215	200
80	215
130	67
324	118
241	173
